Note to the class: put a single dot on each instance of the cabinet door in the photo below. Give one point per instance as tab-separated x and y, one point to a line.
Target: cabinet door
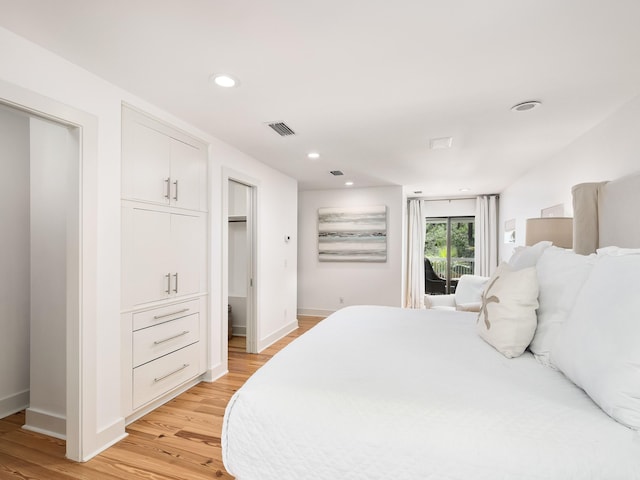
188	250
188	176
148	257
146	164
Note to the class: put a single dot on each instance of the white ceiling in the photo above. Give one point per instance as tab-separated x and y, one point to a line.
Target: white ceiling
366	83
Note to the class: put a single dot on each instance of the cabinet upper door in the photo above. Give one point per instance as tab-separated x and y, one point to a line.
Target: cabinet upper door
146	164
188	247
188	176
146	253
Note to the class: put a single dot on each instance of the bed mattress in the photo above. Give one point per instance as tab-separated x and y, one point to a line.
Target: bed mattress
390	393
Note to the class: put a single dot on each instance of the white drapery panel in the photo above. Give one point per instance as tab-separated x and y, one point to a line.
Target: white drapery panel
414	297
486	251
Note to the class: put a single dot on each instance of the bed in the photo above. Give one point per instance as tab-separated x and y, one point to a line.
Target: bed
380	392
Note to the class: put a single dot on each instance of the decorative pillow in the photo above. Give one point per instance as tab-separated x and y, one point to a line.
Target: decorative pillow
507	318
525	257
561	274
598	347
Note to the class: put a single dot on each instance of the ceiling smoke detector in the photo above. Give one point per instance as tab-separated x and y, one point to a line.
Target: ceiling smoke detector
440	143
524	106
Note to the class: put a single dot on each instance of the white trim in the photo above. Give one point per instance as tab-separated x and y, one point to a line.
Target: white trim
214	374
158	402
81	414
14	403
107	437
239	331
310	312
46	423
277	335
253	312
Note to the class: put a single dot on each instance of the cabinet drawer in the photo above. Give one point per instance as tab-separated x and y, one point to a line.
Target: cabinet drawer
156	378
164	314
153	342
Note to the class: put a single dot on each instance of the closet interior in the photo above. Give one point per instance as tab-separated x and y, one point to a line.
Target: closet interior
39	205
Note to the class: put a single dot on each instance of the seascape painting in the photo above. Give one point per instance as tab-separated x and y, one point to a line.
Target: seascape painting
357	234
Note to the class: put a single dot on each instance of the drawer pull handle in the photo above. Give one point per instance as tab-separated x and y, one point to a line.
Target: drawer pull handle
158	342
156	317
159	379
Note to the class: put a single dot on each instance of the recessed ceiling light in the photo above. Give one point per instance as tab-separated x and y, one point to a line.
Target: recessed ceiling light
524	106
439	143
224	80
313	155
348	184
465	190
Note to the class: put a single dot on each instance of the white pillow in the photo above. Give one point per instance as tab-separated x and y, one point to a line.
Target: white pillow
598	347
525	257
617	251
469	289
561	274
507	318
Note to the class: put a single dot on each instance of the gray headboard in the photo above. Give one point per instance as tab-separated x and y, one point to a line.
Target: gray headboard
606	214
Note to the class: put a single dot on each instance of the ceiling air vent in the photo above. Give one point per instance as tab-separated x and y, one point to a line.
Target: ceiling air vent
337	173
281	128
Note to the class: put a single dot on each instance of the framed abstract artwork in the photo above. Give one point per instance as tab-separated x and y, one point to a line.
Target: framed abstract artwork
352	234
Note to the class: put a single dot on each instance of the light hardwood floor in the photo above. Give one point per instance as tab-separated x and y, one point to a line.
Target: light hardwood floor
178	441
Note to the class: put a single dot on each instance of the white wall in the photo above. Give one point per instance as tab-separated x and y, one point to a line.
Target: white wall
44	73
322	284
608	151
14	263
51	155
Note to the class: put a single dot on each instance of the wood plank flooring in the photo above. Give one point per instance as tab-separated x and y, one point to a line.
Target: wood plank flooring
178	441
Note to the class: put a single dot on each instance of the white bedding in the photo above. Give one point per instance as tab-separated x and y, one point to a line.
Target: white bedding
388	393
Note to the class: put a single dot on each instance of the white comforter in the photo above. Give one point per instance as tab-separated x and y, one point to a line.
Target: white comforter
387	393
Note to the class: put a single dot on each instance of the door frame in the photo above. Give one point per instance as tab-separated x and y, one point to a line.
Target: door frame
81	339
253	330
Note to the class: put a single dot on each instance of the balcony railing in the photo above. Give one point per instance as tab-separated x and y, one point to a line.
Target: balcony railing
459	266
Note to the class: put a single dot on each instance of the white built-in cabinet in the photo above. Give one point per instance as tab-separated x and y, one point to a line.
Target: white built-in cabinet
164	261
161	169
163	254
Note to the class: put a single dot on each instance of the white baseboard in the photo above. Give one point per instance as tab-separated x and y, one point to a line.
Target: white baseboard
14	403
162	400
212	374
277	335
308	312
239	331
107	437
47	423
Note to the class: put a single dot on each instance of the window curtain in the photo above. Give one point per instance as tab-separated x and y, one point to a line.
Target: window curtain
486	251
414	297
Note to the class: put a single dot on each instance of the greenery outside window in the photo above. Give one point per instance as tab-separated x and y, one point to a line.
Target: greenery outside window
449	247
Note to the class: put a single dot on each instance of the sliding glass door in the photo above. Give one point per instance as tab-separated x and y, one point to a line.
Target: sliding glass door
448	251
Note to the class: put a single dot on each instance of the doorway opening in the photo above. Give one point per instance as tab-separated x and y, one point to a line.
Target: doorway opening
40	283
241	266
